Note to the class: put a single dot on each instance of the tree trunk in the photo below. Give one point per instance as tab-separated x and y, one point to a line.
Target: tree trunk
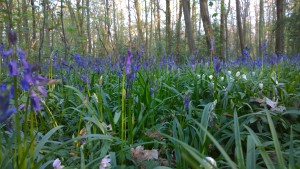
129	25
239	24
178	28
33	24
42	30
139	23
261	26
151	29
168	27
116	50
188	25
207	26
279	48
222	30
226	30
158	42
26	28
88	26
245	19
63	28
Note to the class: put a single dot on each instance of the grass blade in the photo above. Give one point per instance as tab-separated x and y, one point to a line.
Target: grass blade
276	141
238	144
250	156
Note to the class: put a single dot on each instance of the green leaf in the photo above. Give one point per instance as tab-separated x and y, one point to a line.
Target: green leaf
44	140
250	156
238	144
276	141
261	148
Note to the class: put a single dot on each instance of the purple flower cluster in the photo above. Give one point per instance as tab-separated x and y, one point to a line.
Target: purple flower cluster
5	111
30	81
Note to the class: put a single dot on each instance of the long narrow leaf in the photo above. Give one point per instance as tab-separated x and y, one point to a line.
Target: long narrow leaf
276	142
238	144
261	148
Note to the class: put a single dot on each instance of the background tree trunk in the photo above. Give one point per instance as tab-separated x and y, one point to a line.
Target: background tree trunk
139	23
222	30
188	25
261	26
129	26
178	28
207	25
26	28
239	25
279	48
168	27
88	26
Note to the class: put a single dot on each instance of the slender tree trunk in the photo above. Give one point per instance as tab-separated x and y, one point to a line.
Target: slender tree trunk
159	46
178	28
151	29
139	23
226	30
188	25
245	16
146	29
194	24
239	24
33	24
19	25
279	48
261	26
46	28
168	27
129	26
222	30
115	29
42	30
207	25
63	28
26	27
88	26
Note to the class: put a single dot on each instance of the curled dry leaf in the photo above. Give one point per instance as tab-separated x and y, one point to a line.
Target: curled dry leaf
139	154
82	131
271	103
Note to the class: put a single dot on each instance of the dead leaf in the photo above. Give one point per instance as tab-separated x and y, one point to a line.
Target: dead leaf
139	154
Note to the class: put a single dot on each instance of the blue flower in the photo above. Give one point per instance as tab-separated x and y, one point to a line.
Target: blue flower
35	101
217	65
5	111
13	68
128	63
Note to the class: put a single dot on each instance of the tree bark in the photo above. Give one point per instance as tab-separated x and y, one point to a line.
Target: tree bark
33	23
261	26
222	30
129	26
178	28
88	26
26	28
239	24
188	25
226	30
139	23
279	48
168	27
207	26
63	28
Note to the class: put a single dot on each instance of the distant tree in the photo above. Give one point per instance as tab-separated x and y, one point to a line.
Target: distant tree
188	25
239	25
207	25
279	48
168	27
261	26
139	23
222	30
